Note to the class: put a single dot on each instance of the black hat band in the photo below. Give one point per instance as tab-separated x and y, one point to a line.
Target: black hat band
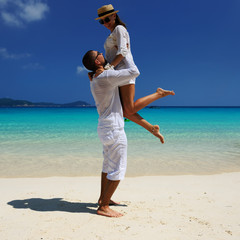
102	14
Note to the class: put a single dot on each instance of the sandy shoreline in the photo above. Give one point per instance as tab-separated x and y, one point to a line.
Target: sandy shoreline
160	207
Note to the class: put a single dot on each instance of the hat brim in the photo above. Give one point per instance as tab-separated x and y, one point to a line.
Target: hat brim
107	15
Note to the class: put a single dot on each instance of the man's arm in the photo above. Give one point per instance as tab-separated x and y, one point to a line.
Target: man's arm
121	77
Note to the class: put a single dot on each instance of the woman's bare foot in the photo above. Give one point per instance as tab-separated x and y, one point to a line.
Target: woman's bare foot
164	93
108	212
156	133
111	203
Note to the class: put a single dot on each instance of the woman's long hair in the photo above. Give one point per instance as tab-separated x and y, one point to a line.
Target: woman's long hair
118	21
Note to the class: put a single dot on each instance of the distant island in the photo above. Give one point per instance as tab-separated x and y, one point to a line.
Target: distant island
8	102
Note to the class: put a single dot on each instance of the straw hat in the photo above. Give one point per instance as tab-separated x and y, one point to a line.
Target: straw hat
105	11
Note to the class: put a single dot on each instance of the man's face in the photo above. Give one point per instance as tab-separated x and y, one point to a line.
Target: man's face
100	58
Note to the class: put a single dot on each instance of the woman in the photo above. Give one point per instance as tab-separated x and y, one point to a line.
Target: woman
118	54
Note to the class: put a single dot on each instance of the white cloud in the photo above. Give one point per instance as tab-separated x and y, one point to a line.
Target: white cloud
10	19
29	66
6	55
3	2
33	66
19	12
81	69
33	11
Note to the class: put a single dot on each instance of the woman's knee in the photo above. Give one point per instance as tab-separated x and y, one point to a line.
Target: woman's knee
125	114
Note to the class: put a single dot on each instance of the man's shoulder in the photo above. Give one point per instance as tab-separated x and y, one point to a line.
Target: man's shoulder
103	76
107	73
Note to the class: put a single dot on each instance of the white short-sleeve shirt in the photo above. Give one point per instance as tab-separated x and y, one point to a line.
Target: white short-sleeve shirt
118	42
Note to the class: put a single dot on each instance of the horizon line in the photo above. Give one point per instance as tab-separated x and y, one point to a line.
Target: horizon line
93	106
90	105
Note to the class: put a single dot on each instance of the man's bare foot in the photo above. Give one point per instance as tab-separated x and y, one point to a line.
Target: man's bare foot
108	212
164	93
111	203
156	133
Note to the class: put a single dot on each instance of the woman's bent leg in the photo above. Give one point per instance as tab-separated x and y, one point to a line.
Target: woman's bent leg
154	129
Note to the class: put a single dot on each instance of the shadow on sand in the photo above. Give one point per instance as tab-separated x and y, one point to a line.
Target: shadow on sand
54	204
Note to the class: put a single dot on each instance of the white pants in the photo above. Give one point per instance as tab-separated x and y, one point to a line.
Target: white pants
114	152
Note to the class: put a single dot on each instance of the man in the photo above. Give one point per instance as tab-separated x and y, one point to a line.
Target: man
104	88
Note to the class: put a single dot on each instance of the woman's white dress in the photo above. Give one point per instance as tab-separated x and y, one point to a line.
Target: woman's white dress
118	42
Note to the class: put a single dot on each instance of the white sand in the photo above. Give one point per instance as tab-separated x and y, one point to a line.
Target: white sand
161	207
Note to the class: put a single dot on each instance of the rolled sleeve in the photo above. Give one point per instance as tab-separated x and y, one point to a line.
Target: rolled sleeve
121	77
122	40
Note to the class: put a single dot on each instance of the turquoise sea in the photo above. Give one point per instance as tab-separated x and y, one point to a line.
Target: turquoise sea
42	142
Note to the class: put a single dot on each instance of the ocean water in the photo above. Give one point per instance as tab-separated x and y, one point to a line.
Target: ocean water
42	142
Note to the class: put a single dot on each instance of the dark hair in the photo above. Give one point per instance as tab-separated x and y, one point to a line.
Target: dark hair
118	21
89	61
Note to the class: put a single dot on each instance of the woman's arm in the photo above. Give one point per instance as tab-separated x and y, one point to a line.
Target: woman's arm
122	45
117	60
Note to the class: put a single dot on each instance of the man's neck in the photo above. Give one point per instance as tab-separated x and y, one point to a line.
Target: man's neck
99	70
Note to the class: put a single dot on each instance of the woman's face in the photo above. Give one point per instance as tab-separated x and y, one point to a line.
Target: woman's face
109	22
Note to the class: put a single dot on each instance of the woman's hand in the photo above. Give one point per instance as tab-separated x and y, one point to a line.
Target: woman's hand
90	75
108	66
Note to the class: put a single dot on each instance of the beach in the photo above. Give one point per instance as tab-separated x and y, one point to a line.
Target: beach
154	207
187	188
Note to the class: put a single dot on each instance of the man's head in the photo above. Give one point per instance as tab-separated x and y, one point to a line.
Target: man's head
92	60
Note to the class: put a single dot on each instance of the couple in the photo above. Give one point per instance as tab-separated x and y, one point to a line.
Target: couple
106	84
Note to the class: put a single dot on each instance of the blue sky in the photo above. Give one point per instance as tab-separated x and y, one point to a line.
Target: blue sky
190	46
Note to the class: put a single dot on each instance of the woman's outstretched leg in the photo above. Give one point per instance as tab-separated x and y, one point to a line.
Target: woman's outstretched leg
130	107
